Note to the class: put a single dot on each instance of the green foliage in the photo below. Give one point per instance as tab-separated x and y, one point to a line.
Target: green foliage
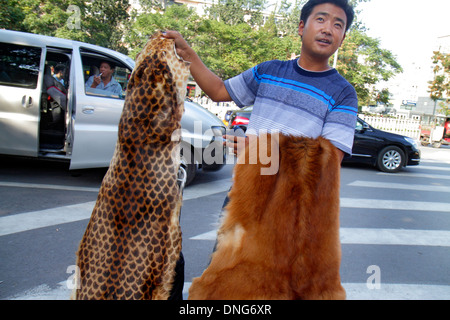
440	86
363	63
230	38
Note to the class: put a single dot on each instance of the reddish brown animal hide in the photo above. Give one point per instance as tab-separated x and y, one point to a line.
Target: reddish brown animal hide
280	235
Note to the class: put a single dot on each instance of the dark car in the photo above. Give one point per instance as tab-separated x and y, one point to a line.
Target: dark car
387	151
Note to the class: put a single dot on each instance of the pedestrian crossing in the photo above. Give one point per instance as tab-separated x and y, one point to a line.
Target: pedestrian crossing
379	236
437	173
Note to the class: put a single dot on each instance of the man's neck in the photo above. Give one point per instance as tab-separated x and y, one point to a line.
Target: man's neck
310	65
106	80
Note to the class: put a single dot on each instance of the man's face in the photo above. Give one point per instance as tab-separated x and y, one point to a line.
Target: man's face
105	70
324	31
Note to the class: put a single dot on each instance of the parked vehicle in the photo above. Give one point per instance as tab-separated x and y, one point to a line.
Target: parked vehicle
240	118
435	130
70	122
387	151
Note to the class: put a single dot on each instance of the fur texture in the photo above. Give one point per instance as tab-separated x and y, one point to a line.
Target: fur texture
133	239
280	235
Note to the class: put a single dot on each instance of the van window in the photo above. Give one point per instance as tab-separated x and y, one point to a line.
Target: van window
95	65
19	65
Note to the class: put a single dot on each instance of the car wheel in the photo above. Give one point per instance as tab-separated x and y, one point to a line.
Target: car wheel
187	163
391	159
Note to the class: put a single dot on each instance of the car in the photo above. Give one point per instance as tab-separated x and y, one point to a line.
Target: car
387	151
75	124
240	118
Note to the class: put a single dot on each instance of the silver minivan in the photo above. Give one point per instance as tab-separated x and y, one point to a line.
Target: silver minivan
47	111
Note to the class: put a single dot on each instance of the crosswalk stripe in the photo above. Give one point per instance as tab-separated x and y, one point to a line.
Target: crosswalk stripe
403	186
46	186
386	291
206	189
191	192
355	291
416	175
440	238
76	212
396	291
437	168
45	218
395	205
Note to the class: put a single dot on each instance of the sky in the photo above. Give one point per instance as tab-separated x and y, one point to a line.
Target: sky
408	28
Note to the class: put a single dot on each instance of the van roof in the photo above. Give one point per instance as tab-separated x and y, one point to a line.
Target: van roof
25	38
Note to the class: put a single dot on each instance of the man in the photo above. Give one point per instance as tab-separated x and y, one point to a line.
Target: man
104	81
59	73
304	96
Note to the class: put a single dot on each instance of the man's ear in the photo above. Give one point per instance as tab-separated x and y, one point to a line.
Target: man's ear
301	27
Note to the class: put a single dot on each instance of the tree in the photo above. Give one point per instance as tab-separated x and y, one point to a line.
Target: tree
234	12
101	22
12	15
440	86
363	63
233	37
174	17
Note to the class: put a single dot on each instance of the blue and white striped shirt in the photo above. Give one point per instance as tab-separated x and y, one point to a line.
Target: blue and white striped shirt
291	100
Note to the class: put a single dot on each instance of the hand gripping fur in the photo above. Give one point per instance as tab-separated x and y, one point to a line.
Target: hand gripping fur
133	239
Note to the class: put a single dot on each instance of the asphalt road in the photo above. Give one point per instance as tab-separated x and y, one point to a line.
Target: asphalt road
395	228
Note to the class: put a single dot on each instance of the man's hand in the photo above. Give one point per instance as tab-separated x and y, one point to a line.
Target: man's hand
236	143
182	47
211	84
97	80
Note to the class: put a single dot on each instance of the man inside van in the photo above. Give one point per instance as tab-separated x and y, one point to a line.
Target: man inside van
59	73
104	83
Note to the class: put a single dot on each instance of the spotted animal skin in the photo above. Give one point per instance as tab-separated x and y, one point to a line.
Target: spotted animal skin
133	239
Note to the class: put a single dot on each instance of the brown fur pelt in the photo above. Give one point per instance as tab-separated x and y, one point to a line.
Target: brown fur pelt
280	235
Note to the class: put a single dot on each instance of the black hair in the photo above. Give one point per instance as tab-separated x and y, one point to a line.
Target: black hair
111	65
59	67
343	4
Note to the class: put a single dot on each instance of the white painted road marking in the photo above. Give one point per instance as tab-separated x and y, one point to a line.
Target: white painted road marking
416	175
355	291
46	186
45	218
395	205
440	238
391	185
76	212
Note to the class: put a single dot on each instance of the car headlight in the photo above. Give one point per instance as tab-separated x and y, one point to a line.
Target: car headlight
412	142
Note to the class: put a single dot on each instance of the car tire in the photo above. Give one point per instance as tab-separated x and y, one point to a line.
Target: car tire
188	165
391	159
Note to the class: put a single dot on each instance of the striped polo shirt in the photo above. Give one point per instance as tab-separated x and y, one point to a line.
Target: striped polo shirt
291	100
